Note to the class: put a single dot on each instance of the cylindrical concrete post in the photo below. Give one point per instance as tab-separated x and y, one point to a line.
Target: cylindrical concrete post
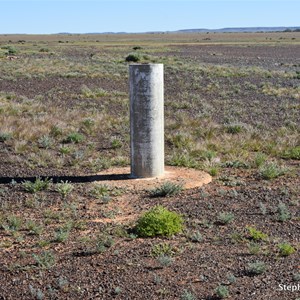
146	120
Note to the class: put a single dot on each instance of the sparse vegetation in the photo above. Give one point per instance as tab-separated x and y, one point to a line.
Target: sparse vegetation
166	189
222	291
286	249
64	188
256	268
36	186
225	218
231	109
45	260
256	235
271	170
283	212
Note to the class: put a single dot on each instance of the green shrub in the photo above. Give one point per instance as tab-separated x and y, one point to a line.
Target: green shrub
292	153
103	243
296	276
45	141
256	268
11	50
254	248
286	249
44	50
64	188
45	260
137	57
5	136
222	291
187	295
133	57
62	234
13	223
283	212
271	171
74	137
34	228
166	189
36	186
162	249
256	235
260	159
116	143
234	128
195	236
159	221
225	218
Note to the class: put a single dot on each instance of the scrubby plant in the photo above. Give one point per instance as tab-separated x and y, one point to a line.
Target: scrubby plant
13	223
292	153
234	128
37	185
271	170
256	268
222	291
103	242
283	212
231	278
116	143
100	164
99	191
5	136
64	150
259	159
11	50
36	293
34	228
137	57
296	276
166	189
133	57
195	237
64	188
45	141
117	290
225	218
162	249
165	260
56	131
256	235
62	234
286	249
74	137
187	295
44	50
263	208
45	260
254	248
159	221
213	170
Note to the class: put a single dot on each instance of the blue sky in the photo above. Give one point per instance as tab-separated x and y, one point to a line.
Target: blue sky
78	16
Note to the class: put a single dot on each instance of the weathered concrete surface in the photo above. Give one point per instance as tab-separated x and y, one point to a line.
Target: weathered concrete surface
146	120
120	177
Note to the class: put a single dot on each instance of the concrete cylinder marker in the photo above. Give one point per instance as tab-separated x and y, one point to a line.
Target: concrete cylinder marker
146	120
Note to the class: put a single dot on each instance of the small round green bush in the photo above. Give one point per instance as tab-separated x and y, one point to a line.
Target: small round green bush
159	221
133	57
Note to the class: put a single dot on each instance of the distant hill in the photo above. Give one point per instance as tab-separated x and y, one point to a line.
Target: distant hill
233	29
243	29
